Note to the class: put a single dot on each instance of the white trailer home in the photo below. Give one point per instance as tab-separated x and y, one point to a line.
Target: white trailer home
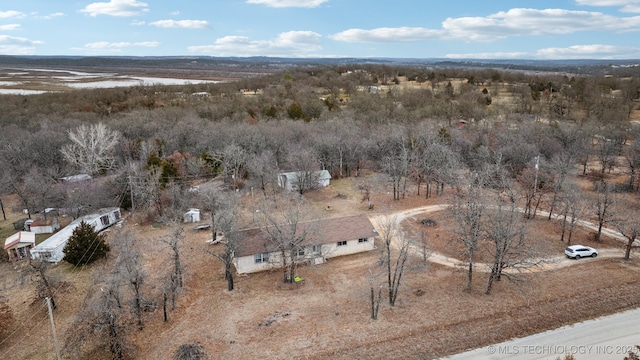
327	238
52	249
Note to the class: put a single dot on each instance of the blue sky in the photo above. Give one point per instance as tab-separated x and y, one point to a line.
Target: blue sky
498	29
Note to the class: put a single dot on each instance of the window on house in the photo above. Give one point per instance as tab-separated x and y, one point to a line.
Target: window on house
316	249
363	240
105	220
262	258
300	252
342	243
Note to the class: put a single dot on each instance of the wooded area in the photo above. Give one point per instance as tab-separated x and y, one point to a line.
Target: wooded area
495	141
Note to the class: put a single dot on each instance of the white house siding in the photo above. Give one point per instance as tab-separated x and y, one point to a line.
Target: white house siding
247	264
352	247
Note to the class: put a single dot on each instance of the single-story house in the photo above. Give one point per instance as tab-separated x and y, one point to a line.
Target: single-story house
52	249
44	226
325	239
192	216
291	180
18	244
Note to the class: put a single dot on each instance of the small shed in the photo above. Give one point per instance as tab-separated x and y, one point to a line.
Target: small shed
44	226
192	216
18	244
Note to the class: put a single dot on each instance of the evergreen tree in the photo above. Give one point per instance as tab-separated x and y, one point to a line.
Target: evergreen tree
85	245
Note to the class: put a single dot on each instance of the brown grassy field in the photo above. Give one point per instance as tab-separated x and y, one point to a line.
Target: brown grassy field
328	316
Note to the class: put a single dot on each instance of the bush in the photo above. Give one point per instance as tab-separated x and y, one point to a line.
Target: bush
193	351
85	245
428	222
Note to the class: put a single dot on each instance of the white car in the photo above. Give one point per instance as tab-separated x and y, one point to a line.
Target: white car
580	251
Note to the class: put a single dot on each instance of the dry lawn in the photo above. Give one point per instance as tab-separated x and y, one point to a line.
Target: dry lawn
328	316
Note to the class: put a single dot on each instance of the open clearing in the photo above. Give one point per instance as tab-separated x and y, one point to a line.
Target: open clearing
328	316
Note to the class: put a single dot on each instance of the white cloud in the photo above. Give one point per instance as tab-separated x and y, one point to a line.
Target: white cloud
499	26
9	27
11	45
116	8
53	15
627	5
138	22
119	45
181	24
175	13
521	22
11	14
291	44
401	34
288	3
594	51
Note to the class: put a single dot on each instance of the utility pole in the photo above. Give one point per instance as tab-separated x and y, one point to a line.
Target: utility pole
53	328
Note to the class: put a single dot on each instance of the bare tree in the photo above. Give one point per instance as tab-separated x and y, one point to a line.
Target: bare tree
395	264
468	210
560	166
226	219
262	169
175	281
285	227
305	165
629	227
214	200
130	269
632	160
13	182
234	159
92	148
603	201
505	228
101	325
375	299
395	155
366	187
573	205
46	285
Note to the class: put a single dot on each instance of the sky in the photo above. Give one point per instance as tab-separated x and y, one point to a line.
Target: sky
455	29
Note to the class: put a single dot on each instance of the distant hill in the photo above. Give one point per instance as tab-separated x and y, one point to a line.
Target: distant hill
271	64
